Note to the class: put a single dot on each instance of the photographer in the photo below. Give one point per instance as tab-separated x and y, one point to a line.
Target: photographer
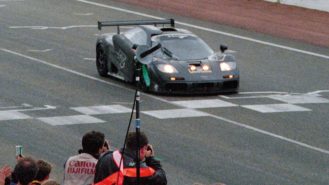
80	169
108	166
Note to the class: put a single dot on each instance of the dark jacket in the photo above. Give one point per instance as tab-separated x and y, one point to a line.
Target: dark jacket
106	166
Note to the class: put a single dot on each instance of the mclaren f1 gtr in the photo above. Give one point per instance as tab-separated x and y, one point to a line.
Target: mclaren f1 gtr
181	62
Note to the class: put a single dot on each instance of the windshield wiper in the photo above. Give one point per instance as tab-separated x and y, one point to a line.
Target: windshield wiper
168	53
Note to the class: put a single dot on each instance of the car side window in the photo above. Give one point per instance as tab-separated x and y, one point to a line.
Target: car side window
136	36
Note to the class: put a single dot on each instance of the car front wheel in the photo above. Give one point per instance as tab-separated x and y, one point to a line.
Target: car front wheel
101	61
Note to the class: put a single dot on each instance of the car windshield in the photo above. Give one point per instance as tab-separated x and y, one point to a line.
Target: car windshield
184	47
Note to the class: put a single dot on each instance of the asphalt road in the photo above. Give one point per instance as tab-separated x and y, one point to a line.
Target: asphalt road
275	131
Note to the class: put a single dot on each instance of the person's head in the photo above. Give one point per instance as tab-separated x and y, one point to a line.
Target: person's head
132	143
26	170
44	170
92	143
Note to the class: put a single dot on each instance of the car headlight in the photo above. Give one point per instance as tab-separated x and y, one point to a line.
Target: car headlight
205	67
227	66
167	68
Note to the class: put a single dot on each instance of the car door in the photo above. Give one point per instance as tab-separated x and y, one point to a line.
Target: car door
124	57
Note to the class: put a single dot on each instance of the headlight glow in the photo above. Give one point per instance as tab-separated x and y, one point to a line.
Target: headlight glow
192	67
167	68
227	66
205	67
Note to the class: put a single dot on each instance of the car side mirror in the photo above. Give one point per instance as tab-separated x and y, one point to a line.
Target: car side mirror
223	48
143	53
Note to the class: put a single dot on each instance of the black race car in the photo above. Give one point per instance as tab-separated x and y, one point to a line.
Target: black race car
180	61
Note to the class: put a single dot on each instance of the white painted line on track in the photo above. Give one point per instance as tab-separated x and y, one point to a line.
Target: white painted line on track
30	27
15	107
244	97
39	51
90	59
71	120
166	101
299	99
319	92
12	115
102	109
274	108
62	68
12	0
271	134
310	97
2	5
52	27
208	29
83	14
198	104
252	93
264	92
175	113
46	107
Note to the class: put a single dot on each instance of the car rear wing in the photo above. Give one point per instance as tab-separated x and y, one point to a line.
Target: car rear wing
135	22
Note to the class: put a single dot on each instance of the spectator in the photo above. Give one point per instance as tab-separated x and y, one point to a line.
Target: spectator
151	172
13	179
80	169
50	182
43	172
25	170
5	173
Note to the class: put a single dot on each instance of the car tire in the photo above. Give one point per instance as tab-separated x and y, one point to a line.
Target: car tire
101	61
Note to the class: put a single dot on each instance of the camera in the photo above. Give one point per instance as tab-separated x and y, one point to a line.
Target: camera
19	150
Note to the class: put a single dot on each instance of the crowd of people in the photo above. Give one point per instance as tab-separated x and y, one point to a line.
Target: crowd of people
95	164
27	172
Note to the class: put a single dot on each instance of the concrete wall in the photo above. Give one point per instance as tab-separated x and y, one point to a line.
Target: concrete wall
322	5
